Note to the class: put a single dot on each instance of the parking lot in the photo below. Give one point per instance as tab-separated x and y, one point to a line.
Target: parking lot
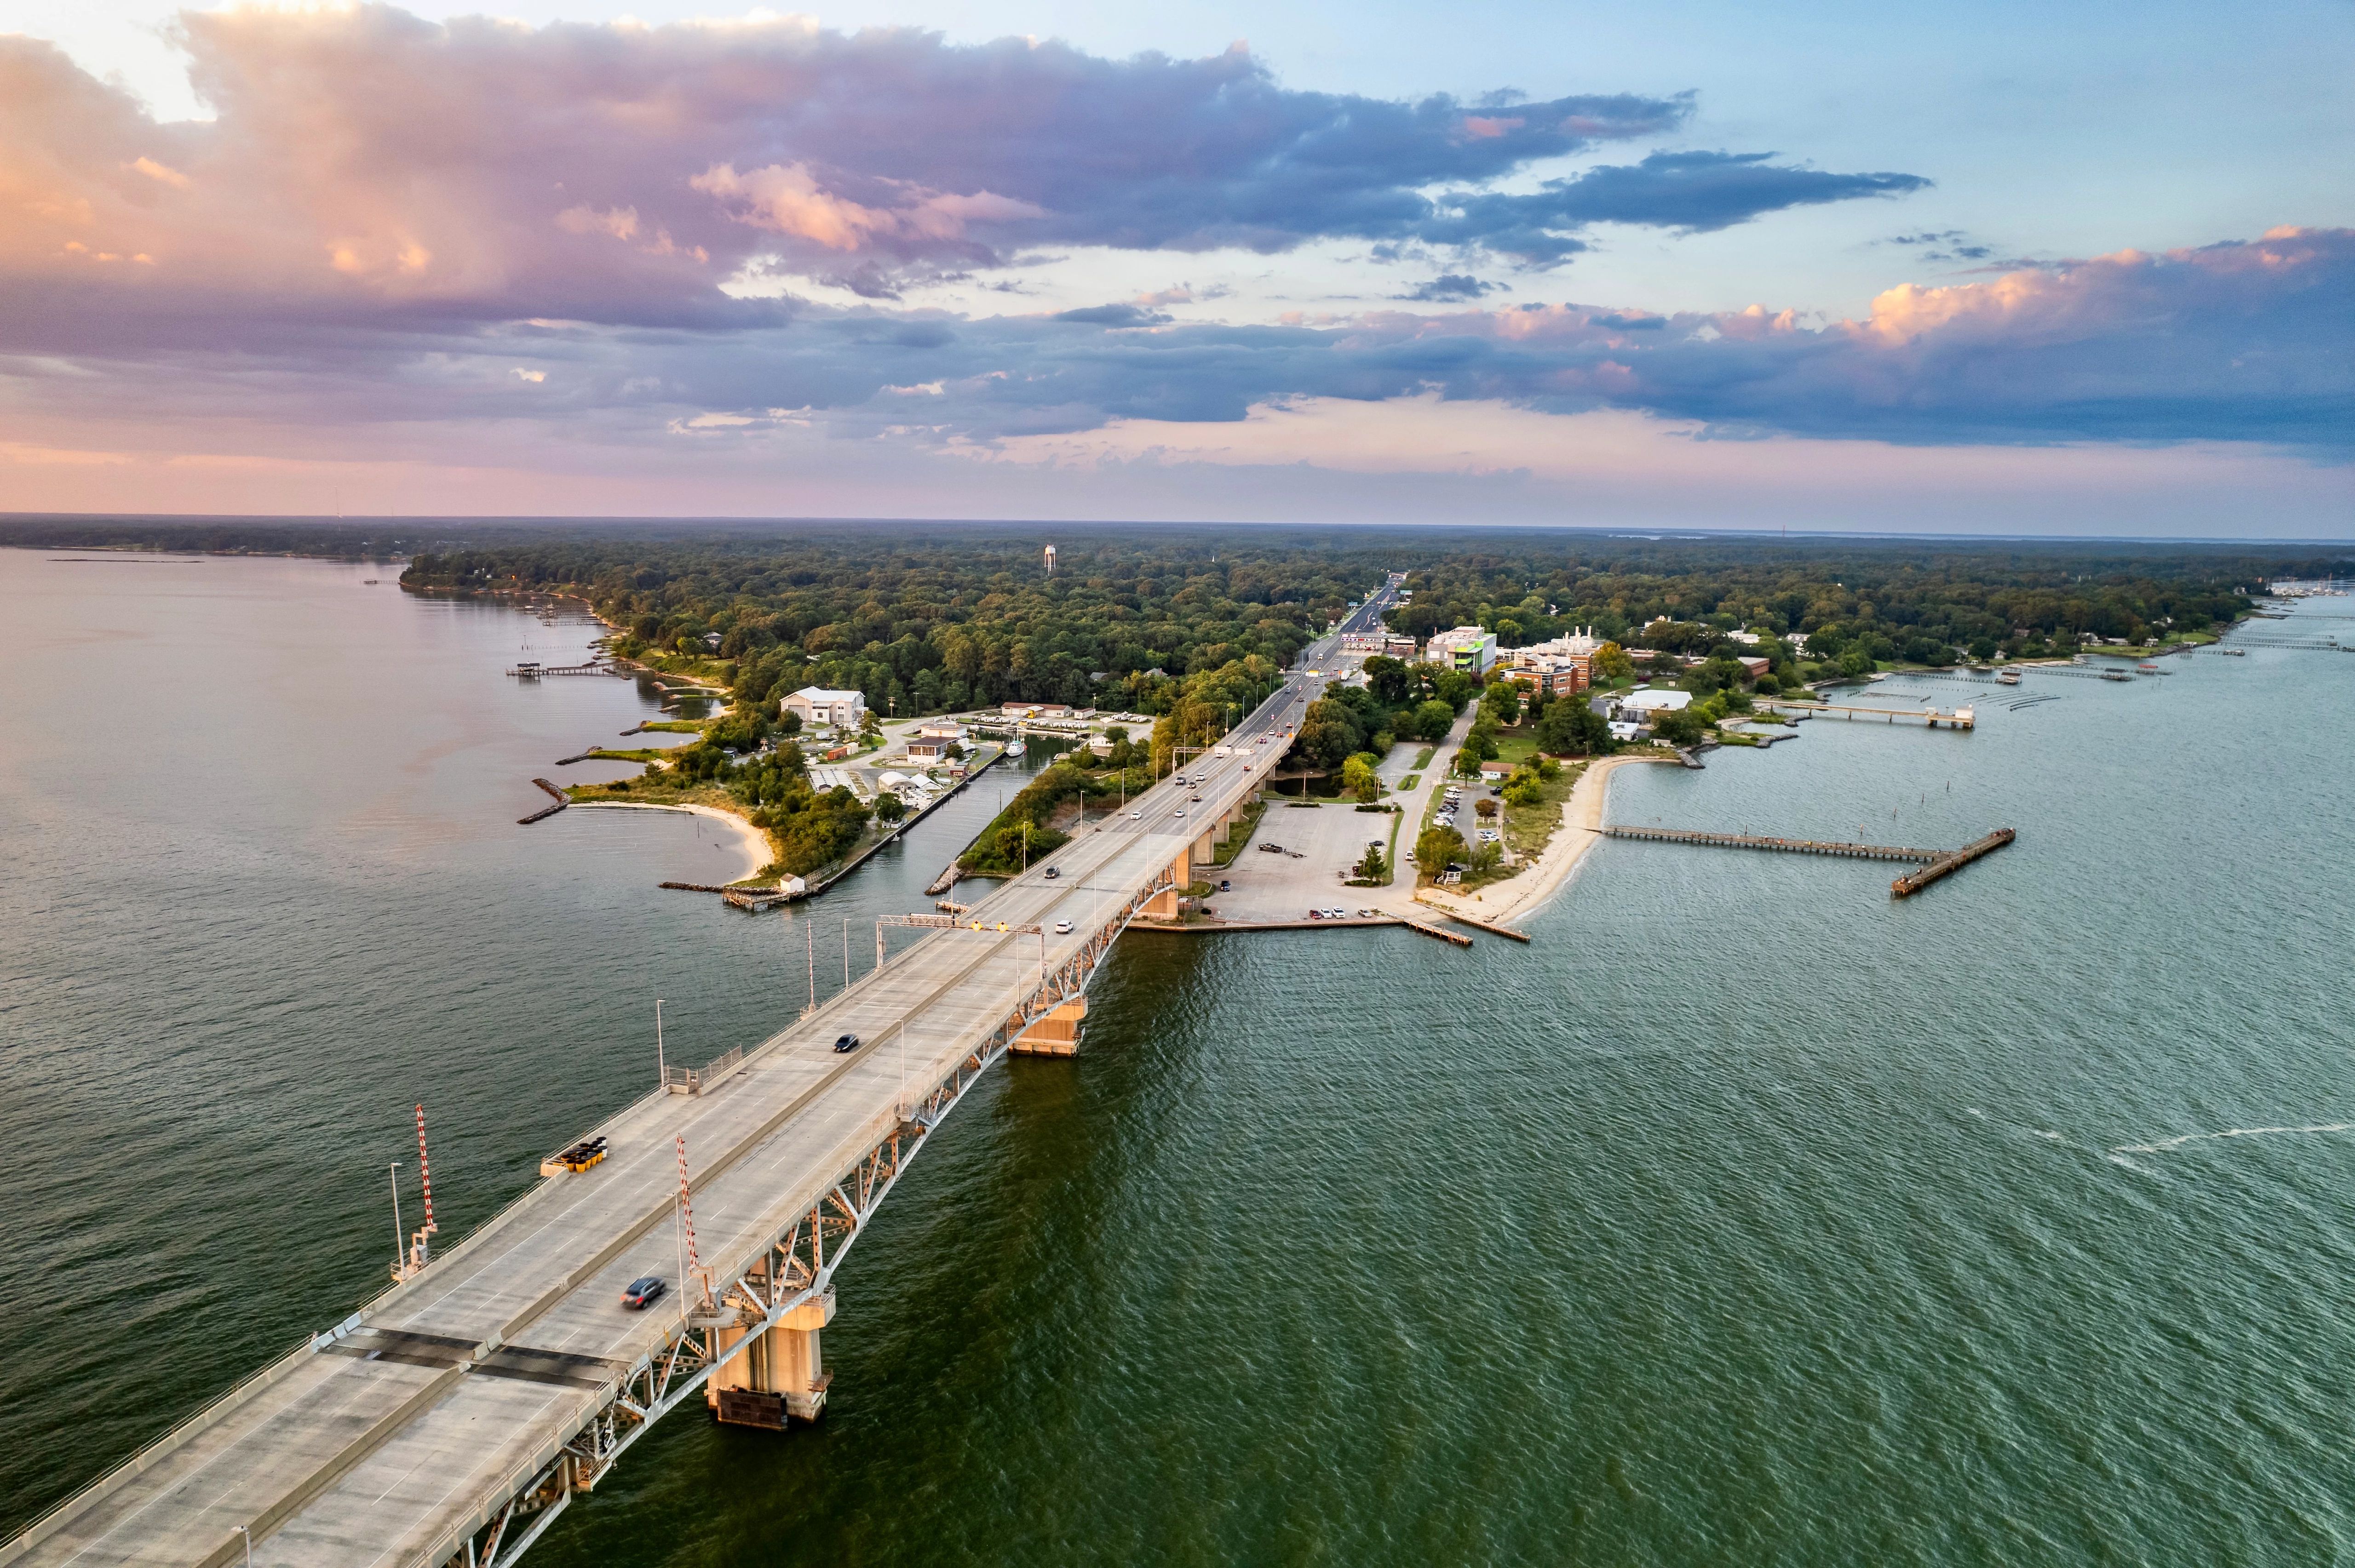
1319	844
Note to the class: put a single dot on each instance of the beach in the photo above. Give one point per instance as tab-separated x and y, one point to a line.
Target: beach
1581	822
757	852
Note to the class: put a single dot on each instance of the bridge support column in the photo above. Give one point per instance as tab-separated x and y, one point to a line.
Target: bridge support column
1162	905
780	1376
1056	1034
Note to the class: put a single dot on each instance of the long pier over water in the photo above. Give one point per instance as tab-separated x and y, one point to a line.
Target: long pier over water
454	1416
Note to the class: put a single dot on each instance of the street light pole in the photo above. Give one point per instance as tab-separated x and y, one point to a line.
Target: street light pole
662	1071
399	1236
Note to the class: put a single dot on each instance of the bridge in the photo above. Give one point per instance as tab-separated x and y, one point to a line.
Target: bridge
456	1416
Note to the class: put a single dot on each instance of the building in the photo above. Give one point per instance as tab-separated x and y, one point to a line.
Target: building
1398	646
1467	648
1035	710
930	749
817	705
1655	700
1496	771
939	729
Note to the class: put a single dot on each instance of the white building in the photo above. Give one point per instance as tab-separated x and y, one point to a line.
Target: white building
1651	701
817	705
1465	648
940	729
1580	644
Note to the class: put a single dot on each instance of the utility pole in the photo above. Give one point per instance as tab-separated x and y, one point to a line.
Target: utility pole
662	1070
399	1236
809	940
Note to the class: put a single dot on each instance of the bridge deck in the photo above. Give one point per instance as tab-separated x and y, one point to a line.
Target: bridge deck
453	1389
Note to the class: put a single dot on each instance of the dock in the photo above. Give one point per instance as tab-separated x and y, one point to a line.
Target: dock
528	671
562	801
1934	718
1913	881
1788	846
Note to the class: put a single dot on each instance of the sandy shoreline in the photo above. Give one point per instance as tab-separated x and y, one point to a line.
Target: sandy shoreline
1581	822
757	851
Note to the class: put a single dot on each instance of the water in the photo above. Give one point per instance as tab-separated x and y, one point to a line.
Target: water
1745	1216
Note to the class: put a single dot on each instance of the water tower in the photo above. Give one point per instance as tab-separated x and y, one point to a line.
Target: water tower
1050	560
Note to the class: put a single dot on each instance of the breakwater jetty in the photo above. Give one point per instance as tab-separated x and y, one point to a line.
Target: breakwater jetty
1933	718
562	801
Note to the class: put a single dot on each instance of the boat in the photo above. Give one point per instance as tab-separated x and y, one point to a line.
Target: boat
2233	652
1015	747
2008	677
2116	675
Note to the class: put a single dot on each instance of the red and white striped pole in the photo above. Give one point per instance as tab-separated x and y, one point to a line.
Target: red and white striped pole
694	1270
418	1248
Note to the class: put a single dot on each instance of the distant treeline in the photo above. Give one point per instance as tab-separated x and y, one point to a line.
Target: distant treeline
928	617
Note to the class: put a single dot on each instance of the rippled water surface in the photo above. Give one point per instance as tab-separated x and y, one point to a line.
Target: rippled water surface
1745	1216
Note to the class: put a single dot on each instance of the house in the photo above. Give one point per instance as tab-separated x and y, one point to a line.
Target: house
1496	771
934	749
1753	668
939	729
1621	730
818	705
1467	648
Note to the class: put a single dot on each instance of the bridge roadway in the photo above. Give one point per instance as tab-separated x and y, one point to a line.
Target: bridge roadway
457	1414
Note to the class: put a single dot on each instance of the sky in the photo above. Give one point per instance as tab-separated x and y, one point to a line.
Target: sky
1998	268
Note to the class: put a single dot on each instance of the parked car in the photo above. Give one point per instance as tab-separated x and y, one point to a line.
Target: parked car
1271	848
1316	914
1226	886
845	1042
1364	914
642	1291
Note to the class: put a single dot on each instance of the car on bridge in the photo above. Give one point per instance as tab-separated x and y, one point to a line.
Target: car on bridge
1062	928
845	1042
643	1291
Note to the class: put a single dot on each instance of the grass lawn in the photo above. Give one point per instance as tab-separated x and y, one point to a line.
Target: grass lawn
1422	758
1241	835
639	754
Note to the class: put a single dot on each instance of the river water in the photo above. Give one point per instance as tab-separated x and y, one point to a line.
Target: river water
1745	1216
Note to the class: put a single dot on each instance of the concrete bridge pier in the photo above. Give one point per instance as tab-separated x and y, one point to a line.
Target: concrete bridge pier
780	1376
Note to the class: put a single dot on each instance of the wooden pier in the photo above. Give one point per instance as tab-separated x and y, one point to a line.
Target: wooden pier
1913	881
1789	846
1934	718
529	671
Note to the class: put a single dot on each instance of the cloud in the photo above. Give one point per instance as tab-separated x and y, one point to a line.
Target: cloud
1690	192
364	163
2242	342
1943	245
1450	287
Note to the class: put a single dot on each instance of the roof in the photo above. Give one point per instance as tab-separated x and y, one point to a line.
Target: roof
1652	700
822	694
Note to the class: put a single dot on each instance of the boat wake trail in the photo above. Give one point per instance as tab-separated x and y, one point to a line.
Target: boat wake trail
2163	1145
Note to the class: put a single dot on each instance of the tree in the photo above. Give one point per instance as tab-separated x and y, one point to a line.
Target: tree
1433	719
1487	806
1681	726
788	722
1373	867
1502	701
890	808
1386	678
1437	848
1359	779
1611	663
1573	728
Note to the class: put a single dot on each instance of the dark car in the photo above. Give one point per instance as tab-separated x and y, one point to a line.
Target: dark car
1054	871
642	1291
845	1042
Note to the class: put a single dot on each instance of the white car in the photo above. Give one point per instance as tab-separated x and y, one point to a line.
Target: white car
1178	813
1062	928
1136	816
